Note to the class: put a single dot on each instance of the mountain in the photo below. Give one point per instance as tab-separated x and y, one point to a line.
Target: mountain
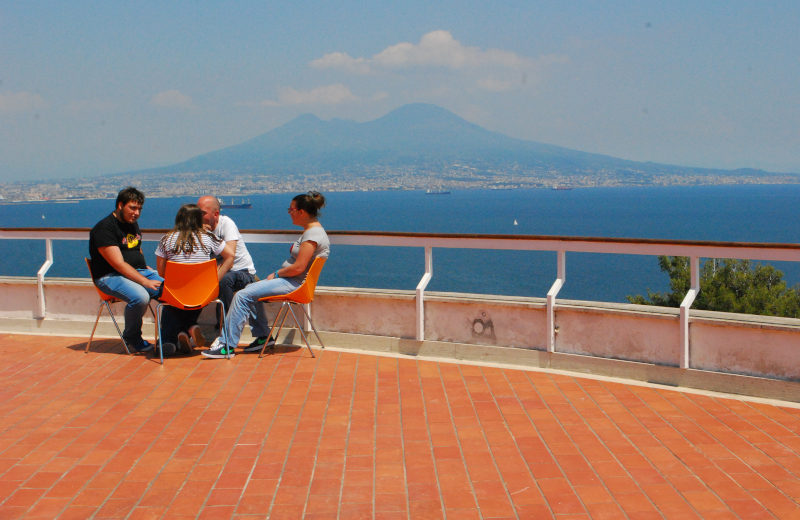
425	141
412	135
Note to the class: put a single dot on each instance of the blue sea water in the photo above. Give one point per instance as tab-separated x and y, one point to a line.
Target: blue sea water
747	213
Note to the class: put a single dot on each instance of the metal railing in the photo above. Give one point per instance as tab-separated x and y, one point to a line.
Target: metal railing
694	250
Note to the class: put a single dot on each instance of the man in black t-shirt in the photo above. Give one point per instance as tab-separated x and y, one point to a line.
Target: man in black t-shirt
119	267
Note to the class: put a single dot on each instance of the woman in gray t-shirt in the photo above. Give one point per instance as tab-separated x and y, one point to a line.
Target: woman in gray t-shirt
314	242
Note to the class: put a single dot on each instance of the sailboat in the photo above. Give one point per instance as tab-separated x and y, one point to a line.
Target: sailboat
515	222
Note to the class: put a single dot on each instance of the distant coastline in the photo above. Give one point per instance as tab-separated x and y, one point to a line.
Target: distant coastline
183	185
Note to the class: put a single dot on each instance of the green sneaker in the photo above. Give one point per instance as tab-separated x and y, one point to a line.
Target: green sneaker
258	344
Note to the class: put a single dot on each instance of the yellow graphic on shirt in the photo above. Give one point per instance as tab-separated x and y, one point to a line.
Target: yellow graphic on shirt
132	241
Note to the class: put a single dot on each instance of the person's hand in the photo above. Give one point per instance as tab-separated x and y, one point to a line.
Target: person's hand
153	285
270	276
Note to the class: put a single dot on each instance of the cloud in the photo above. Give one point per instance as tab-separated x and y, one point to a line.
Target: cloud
440	49
325	95
437	49
172	99
341	61
21	102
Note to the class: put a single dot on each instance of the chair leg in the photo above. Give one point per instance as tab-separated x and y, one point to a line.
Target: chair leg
281	316
221	319
116	326
302	332
158	315
156	327
96	320
311	322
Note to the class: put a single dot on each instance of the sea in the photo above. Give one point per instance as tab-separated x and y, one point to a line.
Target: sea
740	213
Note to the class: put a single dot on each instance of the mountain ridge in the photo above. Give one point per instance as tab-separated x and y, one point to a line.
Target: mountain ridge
422	144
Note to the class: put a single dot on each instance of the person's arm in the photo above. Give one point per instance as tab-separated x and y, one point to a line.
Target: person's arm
227	259
161	265
300	264
113	256
228	254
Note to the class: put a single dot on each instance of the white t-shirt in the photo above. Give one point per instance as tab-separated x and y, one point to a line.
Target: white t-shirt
226	230
207	249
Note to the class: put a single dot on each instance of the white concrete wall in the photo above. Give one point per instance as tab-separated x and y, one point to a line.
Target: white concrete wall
724	343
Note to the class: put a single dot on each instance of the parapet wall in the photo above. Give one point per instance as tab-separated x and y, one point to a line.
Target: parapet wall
603	338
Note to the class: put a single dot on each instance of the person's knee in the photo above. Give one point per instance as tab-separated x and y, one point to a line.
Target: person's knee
239	299
228	280
138	299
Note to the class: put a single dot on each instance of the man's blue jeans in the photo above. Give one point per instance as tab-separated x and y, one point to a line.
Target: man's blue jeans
137	298
246	307
233	281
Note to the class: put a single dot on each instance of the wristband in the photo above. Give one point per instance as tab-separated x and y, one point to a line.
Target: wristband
276	275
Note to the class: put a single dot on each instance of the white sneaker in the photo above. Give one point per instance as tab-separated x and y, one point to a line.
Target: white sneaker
215	343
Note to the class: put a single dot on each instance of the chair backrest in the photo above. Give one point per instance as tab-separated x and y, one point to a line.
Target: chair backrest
190	285
103	296
305	293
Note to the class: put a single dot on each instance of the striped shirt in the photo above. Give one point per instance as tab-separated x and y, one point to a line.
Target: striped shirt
211	247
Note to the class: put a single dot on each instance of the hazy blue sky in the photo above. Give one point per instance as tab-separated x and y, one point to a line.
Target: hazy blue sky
97	87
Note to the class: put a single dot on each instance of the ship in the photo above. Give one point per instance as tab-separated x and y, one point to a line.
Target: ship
244	204
437	192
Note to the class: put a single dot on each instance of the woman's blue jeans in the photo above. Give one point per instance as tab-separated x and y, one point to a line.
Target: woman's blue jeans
246	307
137	298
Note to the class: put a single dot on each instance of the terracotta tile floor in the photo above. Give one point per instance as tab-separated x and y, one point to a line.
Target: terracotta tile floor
347	435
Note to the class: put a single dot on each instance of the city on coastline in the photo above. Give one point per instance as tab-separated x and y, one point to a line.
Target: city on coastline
371	179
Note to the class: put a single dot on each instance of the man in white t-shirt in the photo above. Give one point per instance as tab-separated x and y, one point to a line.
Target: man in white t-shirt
242	271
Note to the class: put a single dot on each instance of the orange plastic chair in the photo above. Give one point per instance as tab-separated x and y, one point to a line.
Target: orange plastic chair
300	297
107	300
189	286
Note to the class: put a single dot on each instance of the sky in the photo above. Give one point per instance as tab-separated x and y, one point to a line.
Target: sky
97	87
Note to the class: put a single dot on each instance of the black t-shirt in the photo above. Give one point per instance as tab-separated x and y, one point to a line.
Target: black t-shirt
112	232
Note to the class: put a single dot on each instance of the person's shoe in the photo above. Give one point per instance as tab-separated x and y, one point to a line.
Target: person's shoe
143	346
218	351
183	343
169	349
197	335
258	344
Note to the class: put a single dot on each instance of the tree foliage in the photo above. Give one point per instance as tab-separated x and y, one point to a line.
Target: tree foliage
729	286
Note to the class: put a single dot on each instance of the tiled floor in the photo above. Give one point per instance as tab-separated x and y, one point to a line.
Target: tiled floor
348	436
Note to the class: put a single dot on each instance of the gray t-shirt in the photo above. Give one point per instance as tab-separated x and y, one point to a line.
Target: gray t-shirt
315	234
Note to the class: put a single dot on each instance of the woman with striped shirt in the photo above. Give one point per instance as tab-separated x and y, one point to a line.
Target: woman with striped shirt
187	242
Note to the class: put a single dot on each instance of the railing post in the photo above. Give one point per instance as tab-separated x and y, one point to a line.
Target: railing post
551	300
40	301
691	294
420	293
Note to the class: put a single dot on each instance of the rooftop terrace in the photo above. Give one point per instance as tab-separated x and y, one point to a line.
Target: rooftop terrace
354	435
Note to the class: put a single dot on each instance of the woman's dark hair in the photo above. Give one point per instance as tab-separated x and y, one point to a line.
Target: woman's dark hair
130	194
310	202
189	227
